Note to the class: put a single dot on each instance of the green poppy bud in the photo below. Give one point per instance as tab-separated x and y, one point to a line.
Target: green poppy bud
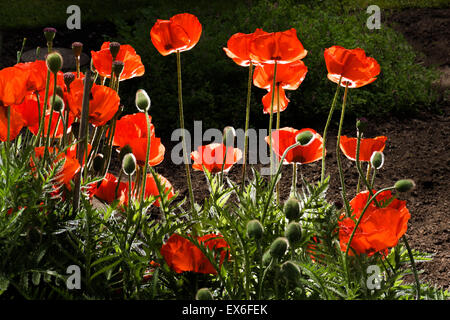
117	68
377	160
278	247
404	185
293	233
290	271
77	48
54	62
255	229
57	103
129	164
98	162
361	124
143	101
266	258
292	209
49	34
304	137
124	150
114	48
228	136
204	294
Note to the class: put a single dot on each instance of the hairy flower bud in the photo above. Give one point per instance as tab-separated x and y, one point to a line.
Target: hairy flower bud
255	229
69	77
228	136
77	48
290	271
129	164
404	185
114	48
361	124
304	137
142	101
278	247
49	34
377	160
57	103
292	209
293	233
204	294
266	258
124	150
54	62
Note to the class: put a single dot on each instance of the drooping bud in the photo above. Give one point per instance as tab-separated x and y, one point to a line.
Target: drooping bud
124	150
204	294
293	233
58	103
292	209
114	48
98	162
59	91
228	136
266	258
304	137
278	247
77	48
54	62
404	185
69	77
290	271
129	164
377	160
255	229
117	68
361	124
142	101
49	34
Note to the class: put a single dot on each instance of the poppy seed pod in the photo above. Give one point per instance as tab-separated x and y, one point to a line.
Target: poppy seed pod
204	294
293	233
68	78
304	137
54	62
228	136
278	247
49	34
377	160
255	229
114	48
77	48
98	162
117	68
290	271
57	103
404	185
142	101
292	209
129	164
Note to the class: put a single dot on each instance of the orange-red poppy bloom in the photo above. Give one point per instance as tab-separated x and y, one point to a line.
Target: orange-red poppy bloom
285	137
182	255
131	130
56	125
13	85
29	110
355	68
102	61
37	74
15	125
280	101
180	33
151	189
103	102
379	229
107	190
211	157
367	147
238	47
281	47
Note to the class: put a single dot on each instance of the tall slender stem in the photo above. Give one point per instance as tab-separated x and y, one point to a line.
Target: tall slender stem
333	105
47	138
278	128
186	160
271	116
144	174
42	117
338	154
413	266
294	178
247	119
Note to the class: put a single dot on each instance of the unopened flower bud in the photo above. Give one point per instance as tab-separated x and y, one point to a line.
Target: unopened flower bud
266	258
293	233
255	229
228	136
204	294
278	247
377	160
98	162
114	48
129	164
292	209
404	185
68	79
304	137
290	271
57	103
77	48
117	68
124	150
361	124
49	34
54	62
143	101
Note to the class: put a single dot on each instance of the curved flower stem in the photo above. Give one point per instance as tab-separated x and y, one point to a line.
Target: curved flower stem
333	105
338	155
271	116
413	266
42	117
368	174
186	160
373	178
263	277
278	128
247	119
47	138
144	173
361	176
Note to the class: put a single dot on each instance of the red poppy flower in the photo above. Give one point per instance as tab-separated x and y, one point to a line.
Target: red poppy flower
37	74
279	102
132	130
180	33
285	137
151	189
353	65
107	190
15	125
182	255
379	229
56	126
103	102
367	147
29	110
238	47
282	47
212	155
102	61
13	85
